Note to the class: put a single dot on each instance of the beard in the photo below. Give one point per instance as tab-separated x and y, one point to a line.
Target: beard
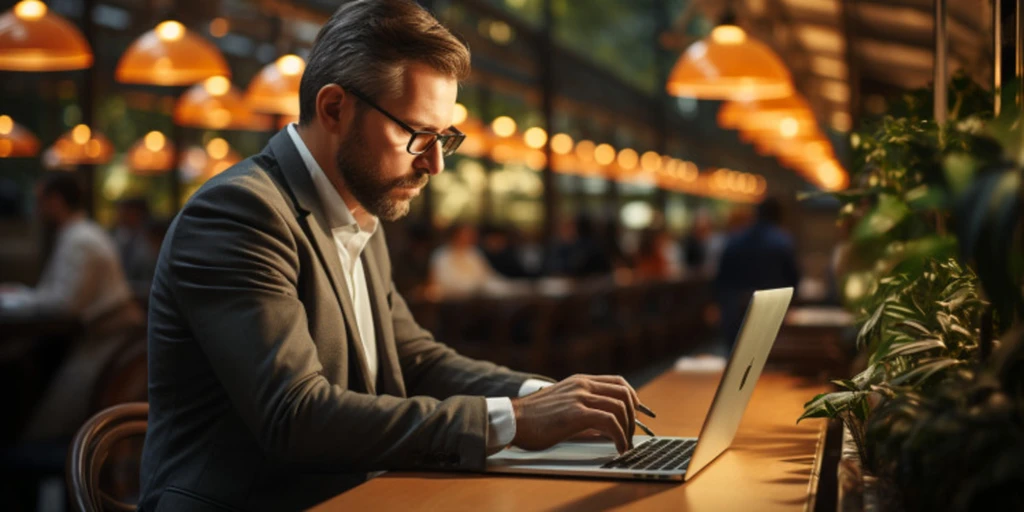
362	176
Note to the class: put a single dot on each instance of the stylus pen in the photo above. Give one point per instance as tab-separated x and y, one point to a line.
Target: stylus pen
644	428
644	409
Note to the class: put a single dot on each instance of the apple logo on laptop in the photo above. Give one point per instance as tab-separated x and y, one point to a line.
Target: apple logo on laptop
743	381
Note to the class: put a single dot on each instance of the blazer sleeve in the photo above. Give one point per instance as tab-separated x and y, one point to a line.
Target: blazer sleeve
234	268
434	369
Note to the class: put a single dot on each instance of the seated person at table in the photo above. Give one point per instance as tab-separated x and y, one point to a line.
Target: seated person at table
284	366
459	269
82	279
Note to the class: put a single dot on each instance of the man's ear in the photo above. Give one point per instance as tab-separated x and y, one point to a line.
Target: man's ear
331	102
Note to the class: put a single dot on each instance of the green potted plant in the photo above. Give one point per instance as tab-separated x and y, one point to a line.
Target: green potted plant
925	321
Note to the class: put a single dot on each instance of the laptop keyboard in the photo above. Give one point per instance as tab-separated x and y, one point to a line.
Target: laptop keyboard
656	455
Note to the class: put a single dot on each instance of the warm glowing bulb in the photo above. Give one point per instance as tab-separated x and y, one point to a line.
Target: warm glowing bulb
93	148
6	125
535	137
561	144
728	34
459	114
604	154
628	159
217	85
585	151
154	141
81	134
762	184
291	65
170	31
650	161
219	27
789	127
841	121
503	126
30	10
217	148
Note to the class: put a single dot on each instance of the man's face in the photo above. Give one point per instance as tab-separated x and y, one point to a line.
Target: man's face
373	160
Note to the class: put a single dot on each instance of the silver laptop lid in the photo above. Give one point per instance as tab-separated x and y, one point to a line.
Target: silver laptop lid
761	324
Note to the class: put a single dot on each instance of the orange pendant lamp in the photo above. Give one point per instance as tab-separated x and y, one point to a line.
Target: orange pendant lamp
80	146
15	140
761	114
34	39
198	163
217	105
729	65
275	89
788	128
153	154
170	55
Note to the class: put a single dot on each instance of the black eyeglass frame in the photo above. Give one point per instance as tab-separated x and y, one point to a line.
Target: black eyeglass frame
456	137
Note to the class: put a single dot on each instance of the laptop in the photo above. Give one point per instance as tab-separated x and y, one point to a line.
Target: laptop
675	459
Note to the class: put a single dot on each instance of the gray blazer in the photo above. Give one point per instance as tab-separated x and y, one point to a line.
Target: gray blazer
258	392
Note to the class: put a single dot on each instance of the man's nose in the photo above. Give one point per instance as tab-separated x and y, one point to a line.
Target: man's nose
432	159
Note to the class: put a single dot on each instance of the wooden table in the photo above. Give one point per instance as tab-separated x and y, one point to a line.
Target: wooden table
773	463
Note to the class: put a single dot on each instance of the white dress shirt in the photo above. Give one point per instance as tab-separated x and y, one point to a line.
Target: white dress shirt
350	238
83	276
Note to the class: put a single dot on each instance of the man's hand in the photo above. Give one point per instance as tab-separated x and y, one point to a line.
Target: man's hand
605	403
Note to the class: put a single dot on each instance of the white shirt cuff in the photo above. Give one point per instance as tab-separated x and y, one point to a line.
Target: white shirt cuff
532	386
501	428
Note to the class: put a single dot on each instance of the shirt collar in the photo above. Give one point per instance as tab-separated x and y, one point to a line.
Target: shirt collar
337	213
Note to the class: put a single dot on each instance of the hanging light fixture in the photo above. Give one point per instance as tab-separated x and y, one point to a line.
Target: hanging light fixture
729	65
152	154
170	55
203	163
216	104
15	140
275	89
34	39
80	146
788	128
761	114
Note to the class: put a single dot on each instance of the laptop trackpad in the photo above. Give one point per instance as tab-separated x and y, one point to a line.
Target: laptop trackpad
569	453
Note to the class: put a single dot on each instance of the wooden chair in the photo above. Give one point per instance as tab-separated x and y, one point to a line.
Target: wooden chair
90	450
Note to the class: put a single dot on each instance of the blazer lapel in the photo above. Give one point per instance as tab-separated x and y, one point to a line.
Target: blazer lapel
390	370
314	220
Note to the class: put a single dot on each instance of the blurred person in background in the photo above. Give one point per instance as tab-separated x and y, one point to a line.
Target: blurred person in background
655	259
497	243
82	278
578	251
131	232
458	268
695	246
760	257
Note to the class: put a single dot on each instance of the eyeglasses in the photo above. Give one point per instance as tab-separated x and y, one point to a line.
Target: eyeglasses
421	140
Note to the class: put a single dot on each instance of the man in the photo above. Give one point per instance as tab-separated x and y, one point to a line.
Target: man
81	279
762	256
284	366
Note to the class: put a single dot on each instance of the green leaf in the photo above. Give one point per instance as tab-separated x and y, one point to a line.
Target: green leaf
847	384
924	371
904	349
889	212
917	326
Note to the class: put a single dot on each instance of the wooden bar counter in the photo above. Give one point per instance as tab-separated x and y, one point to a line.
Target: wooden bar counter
773	463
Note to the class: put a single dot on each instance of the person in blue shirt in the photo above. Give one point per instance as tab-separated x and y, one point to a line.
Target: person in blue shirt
759	257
